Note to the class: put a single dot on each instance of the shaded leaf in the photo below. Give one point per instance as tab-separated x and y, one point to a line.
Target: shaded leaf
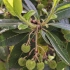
60	65
61	25
31	7
44	37
10	38
2	66
56	43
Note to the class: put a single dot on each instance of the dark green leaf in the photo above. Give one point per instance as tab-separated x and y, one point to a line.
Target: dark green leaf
56	43
44	37
61	25
9	38
61	65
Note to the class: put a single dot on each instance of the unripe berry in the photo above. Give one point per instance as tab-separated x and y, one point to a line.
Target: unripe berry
40	66
30	64
52	64
40	6
21	61
25	48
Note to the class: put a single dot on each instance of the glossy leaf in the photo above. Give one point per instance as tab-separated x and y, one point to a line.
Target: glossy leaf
57	44
9	7
13	6
28	15
22	26
17	6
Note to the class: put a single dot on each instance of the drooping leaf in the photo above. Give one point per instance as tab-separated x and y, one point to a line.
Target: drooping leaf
58	46
61	25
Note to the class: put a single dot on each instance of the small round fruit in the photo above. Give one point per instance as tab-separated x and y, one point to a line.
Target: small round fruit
52	64
40	66
21	61
40	6
30	64
25	48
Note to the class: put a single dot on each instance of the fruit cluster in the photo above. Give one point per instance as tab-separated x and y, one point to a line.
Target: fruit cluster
37	62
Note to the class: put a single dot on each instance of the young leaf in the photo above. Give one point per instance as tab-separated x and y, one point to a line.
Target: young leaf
17	6
28	15
22	26
9	7
13	6
57	44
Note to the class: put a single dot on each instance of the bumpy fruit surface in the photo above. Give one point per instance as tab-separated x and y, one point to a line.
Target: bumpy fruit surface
21	61
40	66
40	6
52	64
25	48
30	64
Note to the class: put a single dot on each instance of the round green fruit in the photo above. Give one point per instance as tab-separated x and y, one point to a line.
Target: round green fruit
40	6
30	64
52	64
40	66
25	48
21	61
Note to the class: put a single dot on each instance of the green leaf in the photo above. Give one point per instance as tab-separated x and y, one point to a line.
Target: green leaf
9	38
9	23
61	25
65	13
17	6
55	2
67	37
66	34
63	6
2	66
60	65
58	46
22	26
63	10
28	15
44	37
2	53
13	6
9	7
